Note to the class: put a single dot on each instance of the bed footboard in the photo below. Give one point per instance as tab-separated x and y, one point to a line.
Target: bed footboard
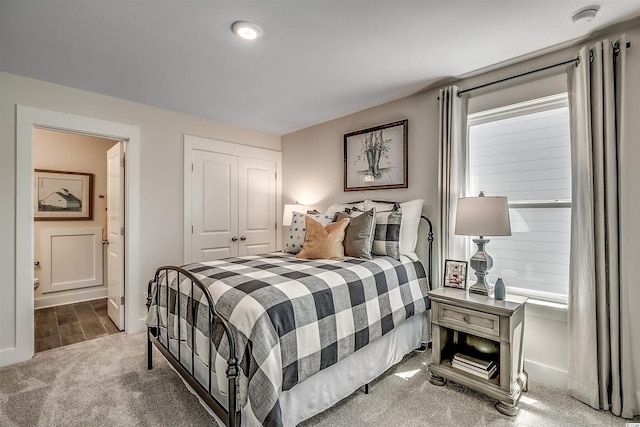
231	417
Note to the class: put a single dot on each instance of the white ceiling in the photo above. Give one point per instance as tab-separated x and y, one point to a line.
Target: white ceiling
317	59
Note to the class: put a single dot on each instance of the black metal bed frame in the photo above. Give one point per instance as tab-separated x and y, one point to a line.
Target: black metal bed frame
230	417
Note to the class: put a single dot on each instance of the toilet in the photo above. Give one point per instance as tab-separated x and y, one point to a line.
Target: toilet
36	281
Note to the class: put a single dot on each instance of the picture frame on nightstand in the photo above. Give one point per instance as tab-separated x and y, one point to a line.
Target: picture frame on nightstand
455	274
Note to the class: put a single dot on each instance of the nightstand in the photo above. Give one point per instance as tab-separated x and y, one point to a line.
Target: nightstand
482	328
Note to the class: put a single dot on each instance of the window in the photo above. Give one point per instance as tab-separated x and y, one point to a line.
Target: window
523	152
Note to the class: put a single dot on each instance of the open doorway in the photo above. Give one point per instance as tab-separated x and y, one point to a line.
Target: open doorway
78	248
28	120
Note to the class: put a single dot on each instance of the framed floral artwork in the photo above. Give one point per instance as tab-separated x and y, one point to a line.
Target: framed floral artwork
376	158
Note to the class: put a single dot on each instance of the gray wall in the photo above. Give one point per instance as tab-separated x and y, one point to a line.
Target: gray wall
313	157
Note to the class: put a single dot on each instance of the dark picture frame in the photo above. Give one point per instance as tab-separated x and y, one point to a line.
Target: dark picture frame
62	195
455	274
376	158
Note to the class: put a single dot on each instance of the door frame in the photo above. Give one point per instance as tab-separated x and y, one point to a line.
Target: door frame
192	143
28	118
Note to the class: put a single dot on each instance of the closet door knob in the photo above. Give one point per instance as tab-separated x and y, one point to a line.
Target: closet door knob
243	238
234	239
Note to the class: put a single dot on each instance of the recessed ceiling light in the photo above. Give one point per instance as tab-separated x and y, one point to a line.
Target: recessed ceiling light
246	30
584	14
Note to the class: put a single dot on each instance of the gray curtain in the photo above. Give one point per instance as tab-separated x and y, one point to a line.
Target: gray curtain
601	372
452	179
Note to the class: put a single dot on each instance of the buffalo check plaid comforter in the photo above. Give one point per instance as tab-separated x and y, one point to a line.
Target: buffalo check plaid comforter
290	317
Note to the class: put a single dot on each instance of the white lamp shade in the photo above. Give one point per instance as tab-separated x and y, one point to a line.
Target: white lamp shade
483	216
287	214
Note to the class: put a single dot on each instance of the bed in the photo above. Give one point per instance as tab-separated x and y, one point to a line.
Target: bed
286	338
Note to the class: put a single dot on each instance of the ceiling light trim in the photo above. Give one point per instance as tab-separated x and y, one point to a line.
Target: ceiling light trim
246	30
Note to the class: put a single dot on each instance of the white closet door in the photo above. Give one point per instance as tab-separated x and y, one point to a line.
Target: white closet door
214	212
256	206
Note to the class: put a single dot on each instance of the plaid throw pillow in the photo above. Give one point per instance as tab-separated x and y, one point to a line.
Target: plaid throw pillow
386	240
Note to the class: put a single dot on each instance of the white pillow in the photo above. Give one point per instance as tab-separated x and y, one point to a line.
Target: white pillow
411	212
340	207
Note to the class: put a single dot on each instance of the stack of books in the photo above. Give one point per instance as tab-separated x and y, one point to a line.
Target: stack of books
481	368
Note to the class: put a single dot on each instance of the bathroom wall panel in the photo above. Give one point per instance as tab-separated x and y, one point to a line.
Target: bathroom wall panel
71	258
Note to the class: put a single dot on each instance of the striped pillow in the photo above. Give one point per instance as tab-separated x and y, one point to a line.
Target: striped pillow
386	239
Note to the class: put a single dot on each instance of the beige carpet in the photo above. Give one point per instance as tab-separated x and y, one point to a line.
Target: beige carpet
105	382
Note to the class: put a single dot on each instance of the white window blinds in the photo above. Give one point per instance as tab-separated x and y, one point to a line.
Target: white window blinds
526	156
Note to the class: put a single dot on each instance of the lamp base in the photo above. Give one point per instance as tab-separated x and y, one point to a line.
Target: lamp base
479	288
481	262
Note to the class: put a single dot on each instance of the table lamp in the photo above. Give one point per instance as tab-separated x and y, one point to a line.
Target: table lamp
482	216
288	210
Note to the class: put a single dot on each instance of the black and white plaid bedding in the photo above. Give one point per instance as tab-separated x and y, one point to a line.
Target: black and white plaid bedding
290	317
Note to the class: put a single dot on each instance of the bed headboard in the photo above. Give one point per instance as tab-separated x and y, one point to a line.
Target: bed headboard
429	237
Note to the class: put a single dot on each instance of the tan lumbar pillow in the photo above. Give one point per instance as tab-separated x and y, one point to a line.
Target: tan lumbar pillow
323	242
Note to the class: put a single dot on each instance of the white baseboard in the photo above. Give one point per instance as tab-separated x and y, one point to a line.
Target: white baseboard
13	355
546	374
140	326
70	298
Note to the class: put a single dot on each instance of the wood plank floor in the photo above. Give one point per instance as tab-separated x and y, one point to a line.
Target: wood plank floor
72	323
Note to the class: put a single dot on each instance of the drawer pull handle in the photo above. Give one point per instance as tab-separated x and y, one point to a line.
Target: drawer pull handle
466	319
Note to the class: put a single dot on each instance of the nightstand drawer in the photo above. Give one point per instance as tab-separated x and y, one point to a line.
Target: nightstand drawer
469	320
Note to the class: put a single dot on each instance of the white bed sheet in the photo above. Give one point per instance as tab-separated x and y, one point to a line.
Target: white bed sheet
326	388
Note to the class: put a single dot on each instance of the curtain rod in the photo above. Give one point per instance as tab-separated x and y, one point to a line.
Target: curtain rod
569	61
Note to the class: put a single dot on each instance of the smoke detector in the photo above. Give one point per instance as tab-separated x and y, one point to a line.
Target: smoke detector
584	14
